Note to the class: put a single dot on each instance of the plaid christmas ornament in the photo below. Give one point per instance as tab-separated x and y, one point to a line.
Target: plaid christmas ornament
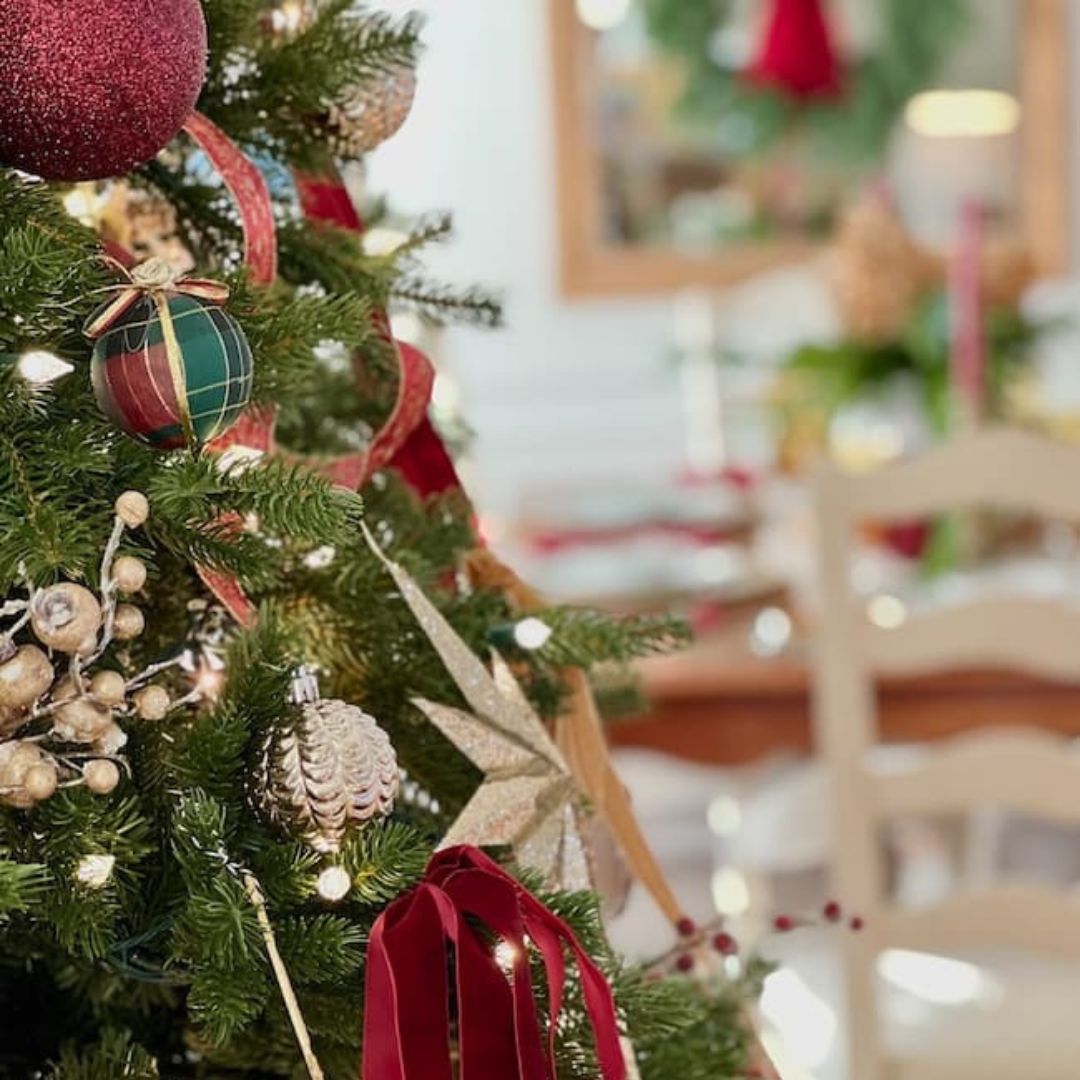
170	366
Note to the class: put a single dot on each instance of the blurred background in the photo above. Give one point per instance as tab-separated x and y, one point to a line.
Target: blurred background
740	242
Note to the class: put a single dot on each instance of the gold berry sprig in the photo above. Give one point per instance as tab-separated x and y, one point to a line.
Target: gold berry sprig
58	715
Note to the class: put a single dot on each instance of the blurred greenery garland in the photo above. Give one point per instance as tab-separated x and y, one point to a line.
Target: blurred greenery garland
831	376
853	128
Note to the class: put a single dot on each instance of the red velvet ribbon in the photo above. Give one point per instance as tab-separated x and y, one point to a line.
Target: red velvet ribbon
407	996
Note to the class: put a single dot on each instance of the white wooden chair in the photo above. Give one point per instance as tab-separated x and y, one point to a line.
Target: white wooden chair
1026	771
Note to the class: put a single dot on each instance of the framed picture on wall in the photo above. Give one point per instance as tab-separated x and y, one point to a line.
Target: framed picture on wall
683	161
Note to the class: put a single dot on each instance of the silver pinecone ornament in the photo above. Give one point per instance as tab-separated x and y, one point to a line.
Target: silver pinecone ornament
373	112
327	769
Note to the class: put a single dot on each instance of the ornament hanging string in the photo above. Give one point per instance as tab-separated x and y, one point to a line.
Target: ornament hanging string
407	1014
281	974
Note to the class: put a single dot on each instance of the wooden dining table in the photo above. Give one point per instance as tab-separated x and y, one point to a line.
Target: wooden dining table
718	704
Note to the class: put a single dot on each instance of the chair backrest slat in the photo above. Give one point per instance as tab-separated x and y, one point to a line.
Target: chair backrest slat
1028	772
1040	920
1011	469
1040	637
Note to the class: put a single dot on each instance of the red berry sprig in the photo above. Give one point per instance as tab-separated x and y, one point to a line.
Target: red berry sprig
684	963
831	913
686	927
725	944
693	941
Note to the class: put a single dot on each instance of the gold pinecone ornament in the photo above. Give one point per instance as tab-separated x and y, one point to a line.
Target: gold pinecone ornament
375	110
327	769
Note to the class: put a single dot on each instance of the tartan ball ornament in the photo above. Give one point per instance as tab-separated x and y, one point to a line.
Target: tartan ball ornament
170	366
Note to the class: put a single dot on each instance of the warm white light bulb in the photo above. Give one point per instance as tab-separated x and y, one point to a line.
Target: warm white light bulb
724	815
209	681
771	632
321	557
507	956
94	871
39	366
958	114
289	18
887	612
81	202
731	892
334	883
602	14
532	633
383	241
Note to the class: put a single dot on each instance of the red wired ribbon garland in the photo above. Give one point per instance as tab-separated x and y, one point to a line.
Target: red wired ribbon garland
248	188
407	1011
407	440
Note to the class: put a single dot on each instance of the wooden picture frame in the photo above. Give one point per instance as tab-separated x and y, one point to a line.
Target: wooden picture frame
589	267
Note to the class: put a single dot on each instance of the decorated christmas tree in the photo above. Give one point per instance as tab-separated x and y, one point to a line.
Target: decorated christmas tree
296	779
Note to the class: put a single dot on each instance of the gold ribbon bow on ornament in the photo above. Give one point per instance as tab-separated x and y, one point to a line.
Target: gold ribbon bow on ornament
154	278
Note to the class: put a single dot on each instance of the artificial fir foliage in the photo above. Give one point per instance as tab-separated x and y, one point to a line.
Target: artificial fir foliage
130	942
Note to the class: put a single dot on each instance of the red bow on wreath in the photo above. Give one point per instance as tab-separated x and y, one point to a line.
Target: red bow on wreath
796	54
407	1000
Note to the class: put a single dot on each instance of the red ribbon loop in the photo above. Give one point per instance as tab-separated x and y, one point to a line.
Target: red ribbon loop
247	185
407	1007
408	442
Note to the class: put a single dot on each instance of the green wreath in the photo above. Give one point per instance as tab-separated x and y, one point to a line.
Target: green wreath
853	128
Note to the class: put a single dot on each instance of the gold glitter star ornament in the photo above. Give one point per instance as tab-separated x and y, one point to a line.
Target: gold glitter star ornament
528	800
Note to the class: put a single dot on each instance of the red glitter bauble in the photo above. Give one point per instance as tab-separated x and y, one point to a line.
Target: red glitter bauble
93	88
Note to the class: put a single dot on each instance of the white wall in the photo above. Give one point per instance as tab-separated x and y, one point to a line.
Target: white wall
585	388
581	389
